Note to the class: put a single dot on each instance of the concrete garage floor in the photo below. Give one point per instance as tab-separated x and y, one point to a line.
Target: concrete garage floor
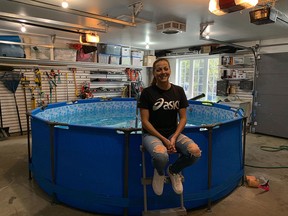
21	197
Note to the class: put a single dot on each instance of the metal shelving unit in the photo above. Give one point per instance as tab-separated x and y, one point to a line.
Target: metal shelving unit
109	83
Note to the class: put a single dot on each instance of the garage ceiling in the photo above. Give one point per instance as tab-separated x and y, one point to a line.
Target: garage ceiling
233	27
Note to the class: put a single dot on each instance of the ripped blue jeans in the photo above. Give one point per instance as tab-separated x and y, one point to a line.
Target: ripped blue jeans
186	147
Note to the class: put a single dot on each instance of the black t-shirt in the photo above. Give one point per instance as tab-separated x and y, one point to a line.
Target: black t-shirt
163	106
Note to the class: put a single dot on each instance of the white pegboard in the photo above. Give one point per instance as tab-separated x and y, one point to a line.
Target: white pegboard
65	91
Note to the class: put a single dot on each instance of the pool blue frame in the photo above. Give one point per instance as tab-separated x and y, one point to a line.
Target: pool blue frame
106	177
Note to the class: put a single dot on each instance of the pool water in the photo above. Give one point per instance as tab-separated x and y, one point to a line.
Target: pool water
111	115
116	121
105	121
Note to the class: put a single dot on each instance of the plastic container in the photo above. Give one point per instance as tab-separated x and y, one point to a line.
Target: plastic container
109	49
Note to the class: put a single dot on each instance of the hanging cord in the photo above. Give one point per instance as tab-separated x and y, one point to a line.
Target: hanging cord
274	149
271	149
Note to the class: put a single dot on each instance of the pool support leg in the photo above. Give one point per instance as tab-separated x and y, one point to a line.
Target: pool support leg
52	157
28	145
144	177
126	168
210	130
244	149
126	132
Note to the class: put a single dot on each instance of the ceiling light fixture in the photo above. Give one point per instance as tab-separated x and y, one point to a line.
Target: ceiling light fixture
171	27
147	46
221	7
89	38
23	28
65	4
205	30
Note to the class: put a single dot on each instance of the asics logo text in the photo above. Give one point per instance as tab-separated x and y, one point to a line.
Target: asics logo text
171	105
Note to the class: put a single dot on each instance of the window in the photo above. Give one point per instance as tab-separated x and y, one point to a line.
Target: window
198	75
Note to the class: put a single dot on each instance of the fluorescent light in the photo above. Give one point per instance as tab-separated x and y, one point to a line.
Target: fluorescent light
246	3
215	8
23	28
65	4
89	38
221	7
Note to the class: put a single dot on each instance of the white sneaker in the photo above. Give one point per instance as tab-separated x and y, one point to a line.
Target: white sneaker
176	181
158	183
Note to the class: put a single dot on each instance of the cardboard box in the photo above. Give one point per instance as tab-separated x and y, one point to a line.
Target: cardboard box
149	60
205	49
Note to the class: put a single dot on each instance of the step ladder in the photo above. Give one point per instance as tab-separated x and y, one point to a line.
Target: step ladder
178	211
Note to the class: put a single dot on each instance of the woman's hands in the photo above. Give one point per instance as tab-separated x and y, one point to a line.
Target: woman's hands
170	145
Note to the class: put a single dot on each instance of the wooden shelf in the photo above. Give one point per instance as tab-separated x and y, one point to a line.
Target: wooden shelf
238	66
22	62
235	79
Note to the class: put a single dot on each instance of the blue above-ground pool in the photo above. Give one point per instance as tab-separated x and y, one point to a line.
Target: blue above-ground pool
87	155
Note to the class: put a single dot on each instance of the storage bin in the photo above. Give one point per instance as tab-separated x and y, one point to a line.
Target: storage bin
126	51
11	50
42	53
249	60
241	74
115	59
82	57
103	58
238	60
136	61
137	53
109	49
246	85
222	86
65	54
125	60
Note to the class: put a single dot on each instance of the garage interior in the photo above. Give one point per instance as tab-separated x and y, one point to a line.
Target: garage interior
176	30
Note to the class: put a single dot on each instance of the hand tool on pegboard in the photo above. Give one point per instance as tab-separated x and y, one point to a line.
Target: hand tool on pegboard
67	87
51	84
25	84
38	82
53	76
75	82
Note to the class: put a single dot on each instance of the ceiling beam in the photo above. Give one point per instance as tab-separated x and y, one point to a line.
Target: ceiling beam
47	23
49	6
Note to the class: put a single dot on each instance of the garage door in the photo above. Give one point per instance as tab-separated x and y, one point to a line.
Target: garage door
271	95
